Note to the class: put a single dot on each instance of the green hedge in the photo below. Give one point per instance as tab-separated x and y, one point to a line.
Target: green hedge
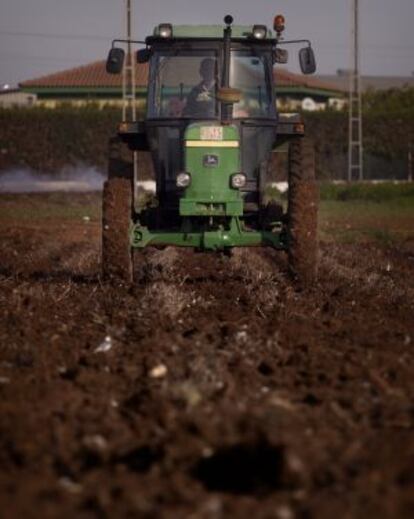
47	140
387	138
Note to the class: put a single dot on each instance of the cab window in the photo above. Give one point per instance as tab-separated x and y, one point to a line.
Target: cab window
250	74
185	85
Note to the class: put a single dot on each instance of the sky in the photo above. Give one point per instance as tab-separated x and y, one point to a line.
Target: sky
38	37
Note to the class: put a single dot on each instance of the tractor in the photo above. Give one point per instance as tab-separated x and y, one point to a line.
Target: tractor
211	126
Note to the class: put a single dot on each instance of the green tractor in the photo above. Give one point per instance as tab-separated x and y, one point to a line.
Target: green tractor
211	126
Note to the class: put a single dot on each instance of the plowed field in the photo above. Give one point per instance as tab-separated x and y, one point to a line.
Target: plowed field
213	388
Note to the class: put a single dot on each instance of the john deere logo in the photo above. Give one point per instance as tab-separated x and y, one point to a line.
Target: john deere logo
210	161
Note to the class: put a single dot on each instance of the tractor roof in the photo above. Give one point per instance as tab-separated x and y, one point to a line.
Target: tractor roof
211	31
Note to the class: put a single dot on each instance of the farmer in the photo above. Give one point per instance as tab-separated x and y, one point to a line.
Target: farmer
201	101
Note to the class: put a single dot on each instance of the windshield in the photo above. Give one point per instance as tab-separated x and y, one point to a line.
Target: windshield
186	82
249	74
185	85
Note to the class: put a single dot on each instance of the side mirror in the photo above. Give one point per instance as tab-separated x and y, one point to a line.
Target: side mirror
307	60
281	56
143	55
229	95
115	60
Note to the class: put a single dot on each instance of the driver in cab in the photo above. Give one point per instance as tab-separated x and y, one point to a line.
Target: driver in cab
201	101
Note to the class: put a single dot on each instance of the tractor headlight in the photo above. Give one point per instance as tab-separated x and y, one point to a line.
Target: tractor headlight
183	180
259	32
238	180
165	30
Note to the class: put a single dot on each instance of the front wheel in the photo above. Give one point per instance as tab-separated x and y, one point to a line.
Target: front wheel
302	212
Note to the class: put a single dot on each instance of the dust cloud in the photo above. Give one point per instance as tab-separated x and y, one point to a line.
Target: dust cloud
71	178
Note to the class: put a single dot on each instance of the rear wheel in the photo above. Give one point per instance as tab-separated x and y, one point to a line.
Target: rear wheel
117	211
302	211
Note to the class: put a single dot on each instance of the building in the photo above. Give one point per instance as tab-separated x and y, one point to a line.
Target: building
91	83
341	81
11	97
309	93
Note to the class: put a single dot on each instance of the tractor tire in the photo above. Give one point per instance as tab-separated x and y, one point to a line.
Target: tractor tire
120	159
303	200
116	220
117	210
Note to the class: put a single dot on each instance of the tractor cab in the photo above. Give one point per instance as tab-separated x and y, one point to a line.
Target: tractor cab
188	111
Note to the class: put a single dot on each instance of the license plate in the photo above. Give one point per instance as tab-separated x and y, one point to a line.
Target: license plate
211	133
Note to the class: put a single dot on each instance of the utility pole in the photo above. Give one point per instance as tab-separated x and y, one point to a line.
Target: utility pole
355	147
129	109
129	112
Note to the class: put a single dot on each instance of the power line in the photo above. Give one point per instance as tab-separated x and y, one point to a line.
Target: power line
371	46
55	36
367	47
10	58
369	54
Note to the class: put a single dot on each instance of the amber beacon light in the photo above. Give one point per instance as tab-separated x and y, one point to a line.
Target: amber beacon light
279	24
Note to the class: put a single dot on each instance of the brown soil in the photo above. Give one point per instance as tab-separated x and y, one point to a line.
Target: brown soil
226	392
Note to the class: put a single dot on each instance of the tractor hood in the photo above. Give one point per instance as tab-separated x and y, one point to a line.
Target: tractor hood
212	157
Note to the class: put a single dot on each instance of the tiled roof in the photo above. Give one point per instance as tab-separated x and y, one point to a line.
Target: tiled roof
95	75
91	75
287	79
341	82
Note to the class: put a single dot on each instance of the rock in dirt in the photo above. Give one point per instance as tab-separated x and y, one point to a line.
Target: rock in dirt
105	345
159	371
71	486
187	393
95	442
